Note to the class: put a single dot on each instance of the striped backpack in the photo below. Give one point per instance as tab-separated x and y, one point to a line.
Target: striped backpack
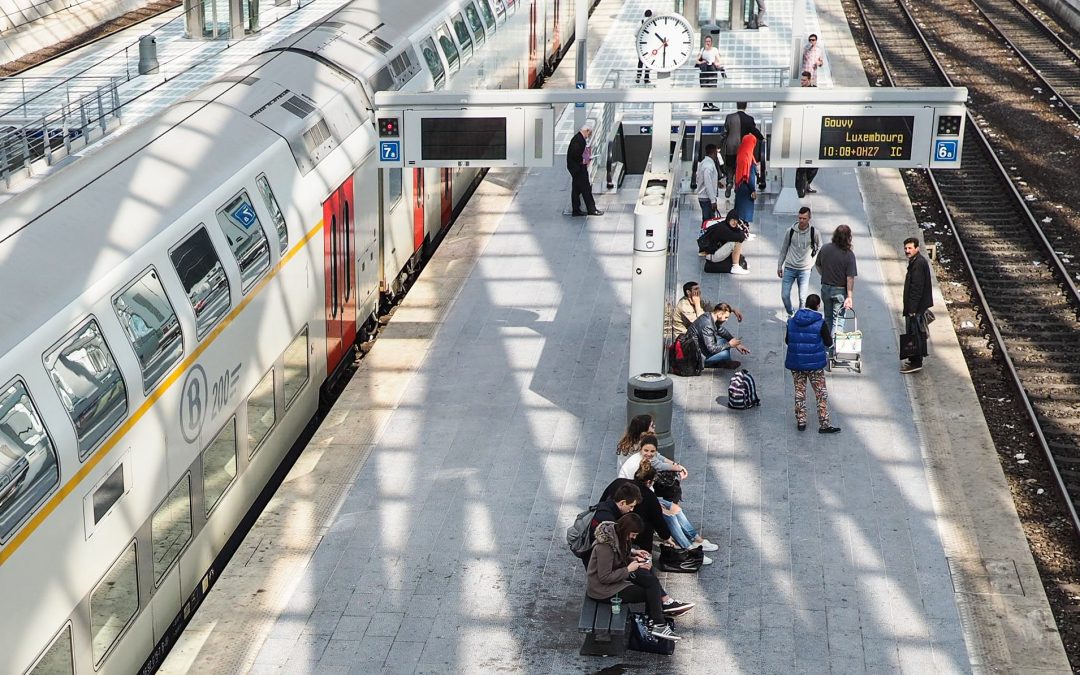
742	391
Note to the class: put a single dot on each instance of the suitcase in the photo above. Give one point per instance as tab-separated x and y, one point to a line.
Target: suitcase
847	344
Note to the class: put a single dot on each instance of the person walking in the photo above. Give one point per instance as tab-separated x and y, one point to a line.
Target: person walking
838	269
736	125
801	245
708	62
918	298
812	58
641	66
746	178
578	158
708	182
808	340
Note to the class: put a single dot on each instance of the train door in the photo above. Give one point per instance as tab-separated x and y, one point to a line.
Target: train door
419	199
446	210
339	244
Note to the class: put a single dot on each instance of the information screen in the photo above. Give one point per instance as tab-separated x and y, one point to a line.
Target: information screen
462	138
866	137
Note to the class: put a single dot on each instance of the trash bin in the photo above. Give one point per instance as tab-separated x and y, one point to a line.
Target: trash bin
650	393
148	63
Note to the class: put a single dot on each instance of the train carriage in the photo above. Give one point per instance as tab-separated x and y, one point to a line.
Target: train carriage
177	299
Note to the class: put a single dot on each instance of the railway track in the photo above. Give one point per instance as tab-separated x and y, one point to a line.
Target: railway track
1029	303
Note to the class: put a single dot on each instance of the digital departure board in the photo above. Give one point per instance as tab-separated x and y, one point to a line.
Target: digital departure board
463	138
866	137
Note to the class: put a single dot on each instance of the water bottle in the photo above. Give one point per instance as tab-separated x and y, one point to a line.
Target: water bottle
616	604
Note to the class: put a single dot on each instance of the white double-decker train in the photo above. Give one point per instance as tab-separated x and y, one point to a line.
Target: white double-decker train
174	302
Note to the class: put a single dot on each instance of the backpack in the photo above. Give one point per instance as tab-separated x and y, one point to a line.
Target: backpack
684	356
813	241
742	391
709	240
579	536
724	266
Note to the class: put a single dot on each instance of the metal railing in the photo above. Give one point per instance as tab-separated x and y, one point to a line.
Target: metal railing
689	76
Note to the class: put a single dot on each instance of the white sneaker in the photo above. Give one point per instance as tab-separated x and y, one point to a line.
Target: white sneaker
706	545
706	560
751	236
735	269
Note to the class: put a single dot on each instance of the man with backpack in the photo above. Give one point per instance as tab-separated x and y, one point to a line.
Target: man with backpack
797	253
623	501
714	341
708	182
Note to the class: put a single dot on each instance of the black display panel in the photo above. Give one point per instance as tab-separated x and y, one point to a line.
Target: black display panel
877	137
462	138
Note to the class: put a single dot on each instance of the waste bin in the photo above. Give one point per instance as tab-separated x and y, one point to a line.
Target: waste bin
650	393
148	63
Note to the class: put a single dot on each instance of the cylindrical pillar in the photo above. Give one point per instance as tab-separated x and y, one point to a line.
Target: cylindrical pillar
148	63
193	19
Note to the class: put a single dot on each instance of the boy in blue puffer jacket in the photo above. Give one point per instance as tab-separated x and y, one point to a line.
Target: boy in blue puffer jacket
808	340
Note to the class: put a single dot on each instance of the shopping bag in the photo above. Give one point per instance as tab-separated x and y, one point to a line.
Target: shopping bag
909	346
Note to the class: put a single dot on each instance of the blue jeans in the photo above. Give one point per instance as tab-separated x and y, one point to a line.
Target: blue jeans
790	276
832	306
718	357
682	531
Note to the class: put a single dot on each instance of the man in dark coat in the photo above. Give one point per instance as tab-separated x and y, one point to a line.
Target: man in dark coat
737	125
578	157
918	297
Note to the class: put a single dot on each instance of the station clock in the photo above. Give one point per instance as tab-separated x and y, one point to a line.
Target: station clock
664	42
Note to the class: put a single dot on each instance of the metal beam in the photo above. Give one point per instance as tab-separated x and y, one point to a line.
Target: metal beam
805	95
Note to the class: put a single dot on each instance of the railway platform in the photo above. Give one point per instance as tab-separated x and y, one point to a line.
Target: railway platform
422	529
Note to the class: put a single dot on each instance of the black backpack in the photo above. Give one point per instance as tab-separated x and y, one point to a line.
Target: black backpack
579	536
709	240
685	356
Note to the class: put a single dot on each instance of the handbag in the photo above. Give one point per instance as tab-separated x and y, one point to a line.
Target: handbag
681	560
667	485
909	346
928	317
641	640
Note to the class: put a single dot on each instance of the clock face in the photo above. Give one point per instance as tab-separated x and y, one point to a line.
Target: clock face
664	42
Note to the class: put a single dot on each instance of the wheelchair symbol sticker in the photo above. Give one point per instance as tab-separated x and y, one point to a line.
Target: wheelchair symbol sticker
946	151
390	151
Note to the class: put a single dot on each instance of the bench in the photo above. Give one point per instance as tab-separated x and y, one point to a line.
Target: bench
605	634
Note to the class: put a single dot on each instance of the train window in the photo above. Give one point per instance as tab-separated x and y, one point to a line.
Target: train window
151	327
247	239
433	61
296	367
204	279
393	186
485	12
171	528
462	32
58	659
449	49
275	211
474	20
89	384
261	411
219	465
113	603
29	469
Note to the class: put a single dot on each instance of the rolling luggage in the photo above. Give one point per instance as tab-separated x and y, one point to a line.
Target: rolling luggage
847	344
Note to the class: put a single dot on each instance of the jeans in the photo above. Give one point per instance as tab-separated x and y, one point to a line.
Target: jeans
682	531
707	210
832	306
790	276
718	357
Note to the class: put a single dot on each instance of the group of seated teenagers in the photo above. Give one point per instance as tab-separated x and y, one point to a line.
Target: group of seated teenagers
705	323
628	516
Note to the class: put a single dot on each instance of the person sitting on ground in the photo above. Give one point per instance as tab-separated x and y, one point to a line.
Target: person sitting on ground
649	453
621	502
648	508
615	569
714	340
690	306
730	240
639	426
683	534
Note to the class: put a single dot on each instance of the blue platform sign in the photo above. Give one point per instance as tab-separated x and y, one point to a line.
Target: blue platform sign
579	85
245	215
946	151
390	151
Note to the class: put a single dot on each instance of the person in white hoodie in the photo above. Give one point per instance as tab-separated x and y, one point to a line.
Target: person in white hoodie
797	252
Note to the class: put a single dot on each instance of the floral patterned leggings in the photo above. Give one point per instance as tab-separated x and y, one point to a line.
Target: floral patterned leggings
817	381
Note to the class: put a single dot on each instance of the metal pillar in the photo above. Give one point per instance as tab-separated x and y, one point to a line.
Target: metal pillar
581	61
738	11
193	19
237	20
788	199
661	138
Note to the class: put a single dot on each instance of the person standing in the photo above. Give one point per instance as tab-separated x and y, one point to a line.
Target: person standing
578	157
805	176
736	125
918	298
808	339
708	62
746	178
836	264
641	66
812	58
801	245
708	182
